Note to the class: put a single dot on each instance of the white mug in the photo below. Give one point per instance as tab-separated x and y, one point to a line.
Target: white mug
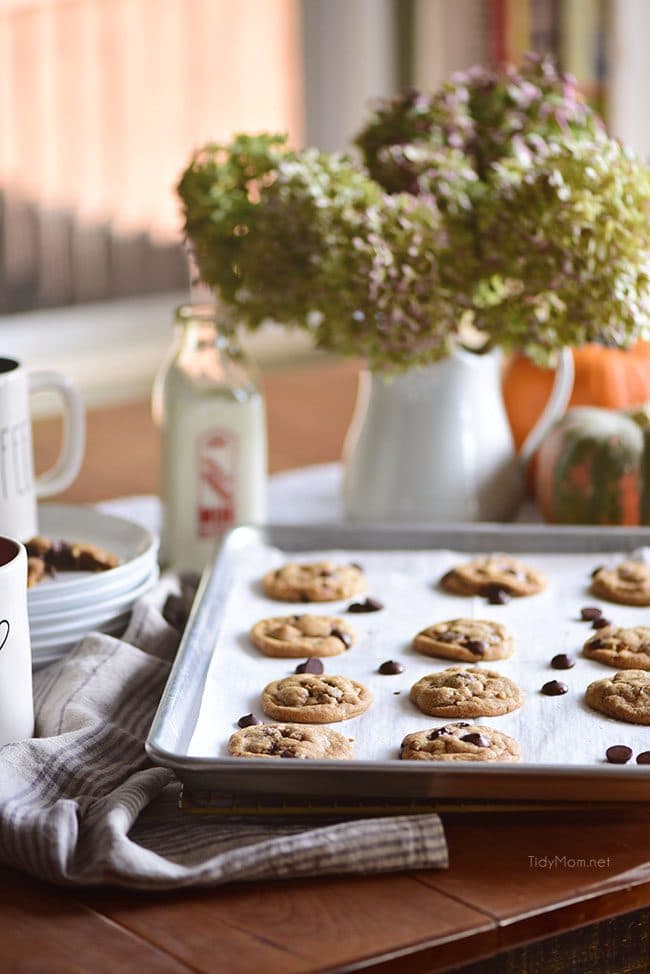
18	488
16	703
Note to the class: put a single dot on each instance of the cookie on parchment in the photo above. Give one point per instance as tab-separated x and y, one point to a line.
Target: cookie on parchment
627	583
460	742
36	570
467	640
624	649
322	581
289	741
489	572
624	696
461	691
308	698
297	636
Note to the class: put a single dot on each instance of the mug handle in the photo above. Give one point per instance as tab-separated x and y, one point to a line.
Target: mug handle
68	464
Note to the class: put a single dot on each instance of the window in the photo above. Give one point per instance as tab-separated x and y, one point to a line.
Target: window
101	102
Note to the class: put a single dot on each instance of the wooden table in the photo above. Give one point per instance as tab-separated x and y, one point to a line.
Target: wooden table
497	909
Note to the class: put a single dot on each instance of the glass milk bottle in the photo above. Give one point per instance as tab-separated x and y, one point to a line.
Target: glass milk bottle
211	413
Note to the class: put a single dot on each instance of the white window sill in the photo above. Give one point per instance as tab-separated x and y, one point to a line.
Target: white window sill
112	350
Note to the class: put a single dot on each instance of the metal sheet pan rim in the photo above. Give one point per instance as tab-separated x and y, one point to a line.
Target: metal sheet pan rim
190	666
396	766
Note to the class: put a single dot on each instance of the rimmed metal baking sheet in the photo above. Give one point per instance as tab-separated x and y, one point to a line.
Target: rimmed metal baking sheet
169	739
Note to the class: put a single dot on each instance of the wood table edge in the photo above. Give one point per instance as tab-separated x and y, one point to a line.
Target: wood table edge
542	922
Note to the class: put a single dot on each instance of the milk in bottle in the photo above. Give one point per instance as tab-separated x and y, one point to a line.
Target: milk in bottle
211	412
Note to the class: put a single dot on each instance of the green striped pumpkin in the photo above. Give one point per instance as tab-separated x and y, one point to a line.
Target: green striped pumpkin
594	468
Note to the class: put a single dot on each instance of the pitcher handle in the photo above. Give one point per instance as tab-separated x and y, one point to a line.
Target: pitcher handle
555	407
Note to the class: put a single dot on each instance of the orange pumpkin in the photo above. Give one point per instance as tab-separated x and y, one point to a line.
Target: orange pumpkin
610	377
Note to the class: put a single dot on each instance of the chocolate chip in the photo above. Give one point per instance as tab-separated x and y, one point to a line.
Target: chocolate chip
391	667
396	693
643	757
368	605
248	720
355	564
600	623
589	613
326	573
477	739
311	665
447	637
554	688
476	646
345	637
596	570
60	555
304	597
595	643
288	754
618	754
495	594
439	732
447	729
563	662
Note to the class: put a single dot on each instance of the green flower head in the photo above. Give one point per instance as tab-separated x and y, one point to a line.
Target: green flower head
496	201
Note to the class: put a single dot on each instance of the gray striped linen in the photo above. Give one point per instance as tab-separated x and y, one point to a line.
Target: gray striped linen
82	804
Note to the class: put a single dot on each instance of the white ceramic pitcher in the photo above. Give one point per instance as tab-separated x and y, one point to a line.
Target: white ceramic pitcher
434	444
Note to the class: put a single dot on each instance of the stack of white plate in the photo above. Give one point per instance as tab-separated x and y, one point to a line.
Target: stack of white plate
62	610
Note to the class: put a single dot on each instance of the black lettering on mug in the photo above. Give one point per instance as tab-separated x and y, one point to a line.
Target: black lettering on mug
26	455
16	478
20	457
4	632
4	461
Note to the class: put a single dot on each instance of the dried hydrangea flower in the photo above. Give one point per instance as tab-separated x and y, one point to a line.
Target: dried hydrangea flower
497	201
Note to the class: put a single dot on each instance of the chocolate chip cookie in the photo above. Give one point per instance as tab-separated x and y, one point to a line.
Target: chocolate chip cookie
36	570
461	691
307	698
460	742
624	649
70	556
298	636
627	583
624	696
322	581
467	640
289	741
487	573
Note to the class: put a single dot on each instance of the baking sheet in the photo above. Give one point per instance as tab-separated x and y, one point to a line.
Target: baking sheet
552	731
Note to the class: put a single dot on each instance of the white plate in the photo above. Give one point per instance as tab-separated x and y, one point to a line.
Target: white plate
64	601
73	635
133	545
93	613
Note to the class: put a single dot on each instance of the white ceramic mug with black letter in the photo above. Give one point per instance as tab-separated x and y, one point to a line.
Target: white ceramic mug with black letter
16	703
19	490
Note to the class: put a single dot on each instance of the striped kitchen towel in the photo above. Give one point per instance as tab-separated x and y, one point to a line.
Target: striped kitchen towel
82	804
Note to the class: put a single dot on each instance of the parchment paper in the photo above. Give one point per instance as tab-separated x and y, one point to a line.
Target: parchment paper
551	730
